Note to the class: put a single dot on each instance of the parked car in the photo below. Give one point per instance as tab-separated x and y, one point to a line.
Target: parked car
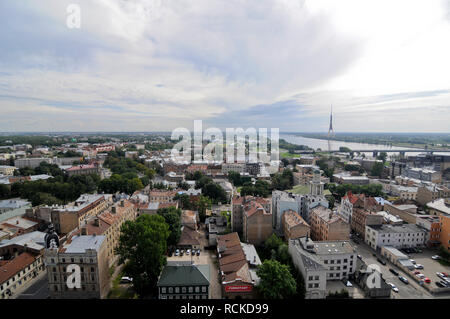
359	256
421	276
416	272
188	252
436	257
440	275
177	252
395	272
198	252
413	261
403	279
439	284
427	280
418	266
126	280
381	261
394	287
445	274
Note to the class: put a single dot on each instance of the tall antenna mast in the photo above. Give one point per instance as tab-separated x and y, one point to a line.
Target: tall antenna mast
330	129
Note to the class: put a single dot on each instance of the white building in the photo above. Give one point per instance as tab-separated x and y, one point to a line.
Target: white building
345	210
322	261
7	170
398	236
302	204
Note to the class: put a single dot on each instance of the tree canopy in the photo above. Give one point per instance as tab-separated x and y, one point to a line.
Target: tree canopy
142	247
276	280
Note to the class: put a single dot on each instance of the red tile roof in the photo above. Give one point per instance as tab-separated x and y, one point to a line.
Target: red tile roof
15	265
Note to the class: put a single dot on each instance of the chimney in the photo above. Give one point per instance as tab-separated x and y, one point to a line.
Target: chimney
96	221
84	231
122	203
113	210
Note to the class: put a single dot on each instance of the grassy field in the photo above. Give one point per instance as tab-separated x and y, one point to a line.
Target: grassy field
286	154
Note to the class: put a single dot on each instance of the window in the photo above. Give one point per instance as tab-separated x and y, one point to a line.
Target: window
204	289
197	289
163	290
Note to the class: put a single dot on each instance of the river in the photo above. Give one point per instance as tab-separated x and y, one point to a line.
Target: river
335	145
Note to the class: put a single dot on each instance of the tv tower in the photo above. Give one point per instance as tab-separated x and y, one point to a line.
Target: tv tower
330	129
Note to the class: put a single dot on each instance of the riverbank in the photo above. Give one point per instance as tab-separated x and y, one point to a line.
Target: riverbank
374	141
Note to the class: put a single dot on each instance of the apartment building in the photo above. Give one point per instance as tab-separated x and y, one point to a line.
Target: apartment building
31	162
90	253
429	193
406	212
326	225
361	218
439	207
184	280
445	231
17	272
109	223
7	170
233	167
257	223
302	204
68	217
83	170
16	226
432	225
21	262
401	236
322	261
237	215
423	174
162	196
294	226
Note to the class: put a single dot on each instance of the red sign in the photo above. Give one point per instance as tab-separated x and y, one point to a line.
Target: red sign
238	288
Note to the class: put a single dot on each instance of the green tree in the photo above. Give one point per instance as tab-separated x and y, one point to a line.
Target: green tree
215	192
172	216
377	169
202	204
276	280
142	247
382	156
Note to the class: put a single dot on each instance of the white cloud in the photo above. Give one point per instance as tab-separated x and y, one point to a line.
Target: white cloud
158	64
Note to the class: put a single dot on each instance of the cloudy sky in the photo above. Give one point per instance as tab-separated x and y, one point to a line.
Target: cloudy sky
154	65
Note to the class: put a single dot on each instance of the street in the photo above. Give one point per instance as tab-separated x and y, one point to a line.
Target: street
406	291
38	290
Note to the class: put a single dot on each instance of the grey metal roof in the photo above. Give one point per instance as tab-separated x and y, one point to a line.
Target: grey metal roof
80	244
184	274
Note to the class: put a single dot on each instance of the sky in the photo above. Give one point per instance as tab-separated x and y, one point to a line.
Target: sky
155	65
